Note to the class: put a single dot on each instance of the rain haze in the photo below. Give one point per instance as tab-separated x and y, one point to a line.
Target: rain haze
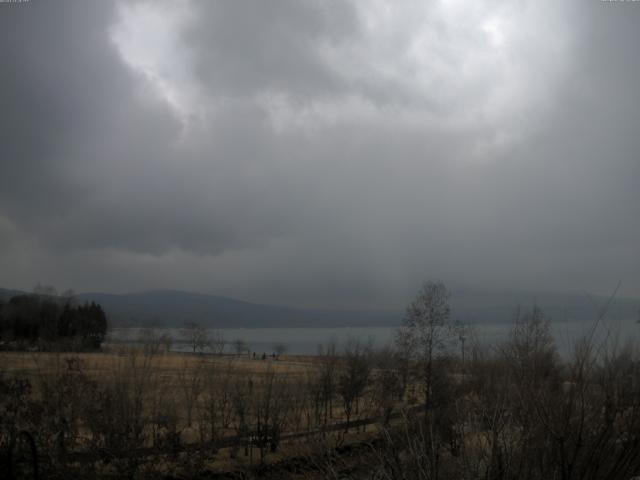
320	154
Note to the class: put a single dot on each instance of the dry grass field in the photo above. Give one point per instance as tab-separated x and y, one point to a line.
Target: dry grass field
240	411
169	364
180	377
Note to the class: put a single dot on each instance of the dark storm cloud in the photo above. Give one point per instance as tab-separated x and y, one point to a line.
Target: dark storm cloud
90	152
320	153
69	107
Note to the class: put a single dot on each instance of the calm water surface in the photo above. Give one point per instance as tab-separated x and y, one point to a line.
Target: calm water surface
306	340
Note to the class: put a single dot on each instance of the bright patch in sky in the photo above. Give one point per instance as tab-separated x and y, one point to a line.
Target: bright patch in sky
493	28
147	38
446	62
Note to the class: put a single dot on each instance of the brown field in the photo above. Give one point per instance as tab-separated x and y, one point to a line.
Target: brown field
169	374
188	388
96	364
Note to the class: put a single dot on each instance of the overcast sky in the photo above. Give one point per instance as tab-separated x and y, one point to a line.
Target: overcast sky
325	153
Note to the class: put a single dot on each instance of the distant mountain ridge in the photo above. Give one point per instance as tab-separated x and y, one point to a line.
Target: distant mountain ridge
170	308
174	308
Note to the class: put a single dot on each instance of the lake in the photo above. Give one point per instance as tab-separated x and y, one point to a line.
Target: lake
304	341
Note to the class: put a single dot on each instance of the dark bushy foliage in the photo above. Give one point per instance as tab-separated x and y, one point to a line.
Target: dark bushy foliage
29	320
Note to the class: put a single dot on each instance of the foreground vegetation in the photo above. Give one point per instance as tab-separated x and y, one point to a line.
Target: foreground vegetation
436	406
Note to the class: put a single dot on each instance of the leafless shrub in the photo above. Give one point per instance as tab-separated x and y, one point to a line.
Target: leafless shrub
190	381
154	342
353	378
240	346
197	336
216	407
217	342
387	387
271	405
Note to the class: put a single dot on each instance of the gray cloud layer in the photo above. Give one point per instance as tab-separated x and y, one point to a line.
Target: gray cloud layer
320	153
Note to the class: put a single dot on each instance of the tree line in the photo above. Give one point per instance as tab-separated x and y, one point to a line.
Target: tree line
51	322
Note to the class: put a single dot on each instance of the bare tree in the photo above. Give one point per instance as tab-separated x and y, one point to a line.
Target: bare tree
240	346
387	384
425	330
216	408
217	342
354	376
196	336
404	353
190	380
150	340
327	379
241	398
531	349
270	407
120	413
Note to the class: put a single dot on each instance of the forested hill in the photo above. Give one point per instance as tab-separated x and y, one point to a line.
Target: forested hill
174	308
